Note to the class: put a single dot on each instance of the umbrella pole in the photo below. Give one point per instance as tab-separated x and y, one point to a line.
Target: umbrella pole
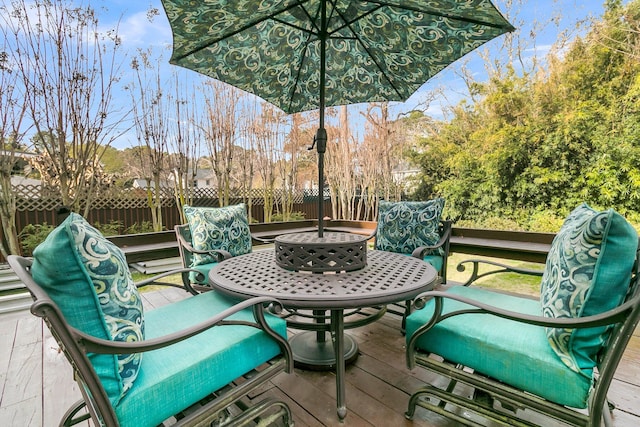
321	145
321	134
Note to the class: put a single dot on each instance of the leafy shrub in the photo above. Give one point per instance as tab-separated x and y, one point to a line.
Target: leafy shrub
144	227
545	222
294	216
490	223
32	235
111	229
496	223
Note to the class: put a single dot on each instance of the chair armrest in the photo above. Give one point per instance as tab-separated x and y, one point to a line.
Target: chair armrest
421	251
609	317
91	344
219	254
499	268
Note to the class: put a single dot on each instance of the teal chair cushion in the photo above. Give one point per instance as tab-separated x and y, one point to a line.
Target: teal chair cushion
218	228
88	278
587	272
405	226
514	353
204	269
435	260
174	377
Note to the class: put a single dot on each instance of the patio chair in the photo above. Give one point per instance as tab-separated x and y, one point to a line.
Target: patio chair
515	360
414	229
210	236
192	362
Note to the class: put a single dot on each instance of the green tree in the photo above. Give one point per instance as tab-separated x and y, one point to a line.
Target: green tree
545	142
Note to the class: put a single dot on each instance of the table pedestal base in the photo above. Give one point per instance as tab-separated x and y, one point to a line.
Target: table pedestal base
311	354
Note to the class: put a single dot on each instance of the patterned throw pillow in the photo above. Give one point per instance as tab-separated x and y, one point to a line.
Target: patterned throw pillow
87	276
224	228
587	272
405	226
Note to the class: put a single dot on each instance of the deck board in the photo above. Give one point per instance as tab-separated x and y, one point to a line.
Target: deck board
37	387
22	388
55	371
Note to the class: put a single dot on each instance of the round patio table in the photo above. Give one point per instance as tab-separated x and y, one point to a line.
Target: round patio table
388	277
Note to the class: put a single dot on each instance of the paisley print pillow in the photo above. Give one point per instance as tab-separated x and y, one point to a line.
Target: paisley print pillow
87	276
218	228
587	272
405	226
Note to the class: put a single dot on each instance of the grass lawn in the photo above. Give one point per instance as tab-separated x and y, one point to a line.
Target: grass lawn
137	276
510	282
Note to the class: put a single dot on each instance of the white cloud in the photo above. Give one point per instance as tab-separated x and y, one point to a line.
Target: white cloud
136	30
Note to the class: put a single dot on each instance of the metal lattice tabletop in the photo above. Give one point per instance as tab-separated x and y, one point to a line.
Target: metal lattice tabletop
388	277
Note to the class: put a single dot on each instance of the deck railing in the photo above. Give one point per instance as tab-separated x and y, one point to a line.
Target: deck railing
146	247
524	246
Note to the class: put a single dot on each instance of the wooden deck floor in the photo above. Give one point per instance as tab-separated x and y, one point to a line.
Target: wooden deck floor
36	385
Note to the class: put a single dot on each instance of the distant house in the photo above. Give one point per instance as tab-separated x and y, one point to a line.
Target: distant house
402	174
21	167
205	178
403	171
24	181
143	183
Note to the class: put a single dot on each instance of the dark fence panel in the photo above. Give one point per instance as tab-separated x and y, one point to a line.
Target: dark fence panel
137	215
129	212
128	207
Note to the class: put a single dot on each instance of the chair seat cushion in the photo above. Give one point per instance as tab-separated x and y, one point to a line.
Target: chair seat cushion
436	261
204	269
515	353
173	378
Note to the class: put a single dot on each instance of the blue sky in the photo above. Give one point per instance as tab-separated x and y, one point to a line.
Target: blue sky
546	18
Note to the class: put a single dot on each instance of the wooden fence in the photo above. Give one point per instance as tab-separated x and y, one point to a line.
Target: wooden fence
36	205
131	216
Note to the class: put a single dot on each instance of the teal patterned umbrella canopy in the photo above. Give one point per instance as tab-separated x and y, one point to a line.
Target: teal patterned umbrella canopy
373	50
309	54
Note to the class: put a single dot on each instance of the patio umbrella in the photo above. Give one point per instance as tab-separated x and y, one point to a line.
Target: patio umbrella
310	54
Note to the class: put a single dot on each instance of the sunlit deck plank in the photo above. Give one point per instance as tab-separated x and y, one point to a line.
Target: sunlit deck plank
21	402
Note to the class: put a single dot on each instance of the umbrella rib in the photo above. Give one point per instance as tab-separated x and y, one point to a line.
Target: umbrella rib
381	4
365	47
299	70
250	24
310	34
434	12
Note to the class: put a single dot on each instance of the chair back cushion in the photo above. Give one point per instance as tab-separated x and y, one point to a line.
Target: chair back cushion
587	272
218	228
88	278
405	226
